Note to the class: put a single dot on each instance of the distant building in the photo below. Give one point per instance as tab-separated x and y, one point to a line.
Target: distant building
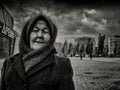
114	45
58	47
101	40
7	34
84	41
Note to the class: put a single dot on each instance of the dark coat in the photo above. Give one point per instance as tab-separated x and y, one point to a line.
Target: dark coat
54	73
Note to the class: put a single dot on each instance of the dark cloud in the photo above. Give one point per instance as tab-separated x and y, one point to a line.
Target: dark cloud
113	28
72	3
87	2
71	17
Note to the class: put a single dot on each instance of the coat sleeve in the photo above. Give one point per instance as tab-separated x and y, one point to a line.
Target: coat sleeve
66	81
2	81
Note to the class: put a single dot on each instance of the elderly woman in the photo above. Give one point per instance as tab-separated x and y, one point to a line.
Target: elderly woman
36	67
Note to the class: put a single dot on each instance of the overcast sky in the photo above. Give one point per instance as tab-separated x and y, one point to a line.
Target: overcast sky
72	20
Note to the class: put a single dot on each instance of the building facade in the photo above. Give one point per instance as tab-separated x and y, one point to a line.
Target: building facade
101	40
7	34
58	47
114	45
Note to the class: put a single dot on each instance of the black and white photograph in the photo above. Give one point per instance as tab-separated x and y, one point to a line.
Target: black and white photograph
59	45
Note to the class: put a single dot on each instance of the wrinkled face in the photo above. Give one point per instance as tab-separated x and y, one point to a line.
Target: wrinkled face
39	36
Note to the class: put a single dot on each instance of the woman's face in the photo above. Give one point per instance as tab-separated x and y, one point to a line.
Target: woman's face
40	35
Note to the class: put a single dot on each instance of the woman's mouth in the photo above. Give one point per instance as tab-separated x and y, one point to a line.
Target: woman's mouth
38	40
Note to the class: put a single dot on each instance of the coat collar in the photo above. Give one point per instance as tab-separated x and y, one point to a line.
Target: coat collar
47	61
18	66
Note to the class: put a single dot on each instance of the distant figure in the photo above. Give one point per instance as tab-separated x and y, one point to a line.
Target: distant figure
90	56
36	67
80	56
81	51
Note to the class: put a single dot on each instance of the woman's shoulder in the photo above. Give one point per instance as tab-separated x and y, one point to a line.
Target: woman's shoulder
11	58
62	60
64	65
8	61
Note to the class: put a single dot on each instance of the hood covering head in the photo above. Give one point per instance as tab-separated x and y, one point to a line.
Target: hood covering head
31	57
24	44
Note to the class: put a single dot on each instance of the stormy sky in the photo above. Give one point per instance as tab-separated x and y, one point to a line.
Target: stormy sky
72	19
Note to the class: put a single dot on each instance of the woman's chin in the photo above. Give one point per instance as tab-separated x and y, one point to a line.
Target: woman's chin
37	46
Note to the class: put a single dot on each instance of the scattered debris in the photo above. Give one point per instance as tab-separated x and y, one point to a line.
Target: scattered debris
101	77
88	73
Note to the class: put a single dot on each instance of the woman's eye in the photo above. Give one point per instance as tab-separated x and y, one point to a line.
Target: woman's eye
45	31
35	30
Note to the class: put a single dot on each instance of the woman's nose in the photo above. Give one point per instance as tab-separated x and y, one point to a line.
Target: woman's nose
39	33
